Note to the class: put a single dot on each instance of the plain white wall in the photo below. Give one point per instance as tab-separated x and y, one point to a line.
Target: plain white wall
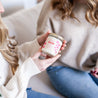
12	6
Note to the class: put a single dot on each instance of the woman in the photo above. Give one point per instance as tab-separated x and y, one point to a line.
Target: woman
77	22
19	63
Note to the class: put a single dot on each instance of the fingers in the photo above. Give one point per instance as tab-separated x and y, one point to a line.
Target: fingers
64	42
95	72
42	38
46	34
63	45
49	32
62	48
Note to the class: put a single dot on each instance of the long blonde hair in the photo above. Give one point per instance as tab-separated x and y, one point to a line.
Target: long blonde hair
8	47
66	9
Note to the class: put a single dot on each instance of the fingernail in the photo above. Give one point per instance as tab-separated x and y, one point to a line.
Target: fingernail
65	41
49	31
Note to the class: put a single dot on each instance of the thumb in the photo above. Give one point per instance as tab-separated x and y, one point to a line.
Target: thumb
46	35
49	32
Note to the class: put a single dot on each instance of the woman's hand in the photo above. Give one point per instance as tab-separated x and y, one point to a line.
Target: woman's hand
63	46
42	39
1	8
43	64
95	72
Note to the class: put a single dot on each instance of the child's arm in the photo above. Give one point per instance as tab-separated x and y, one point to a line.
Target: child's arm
16	87
27	49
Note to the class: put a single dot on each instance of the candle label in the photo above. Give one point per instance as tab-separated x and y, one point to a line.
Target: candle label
52	45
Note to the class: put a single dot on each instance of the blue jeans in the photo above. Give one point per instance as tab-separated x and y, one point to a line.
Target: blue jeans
73	83
34	94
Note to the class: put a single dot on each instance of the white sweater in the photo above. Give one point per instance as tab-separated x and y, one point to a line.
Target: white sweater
16	85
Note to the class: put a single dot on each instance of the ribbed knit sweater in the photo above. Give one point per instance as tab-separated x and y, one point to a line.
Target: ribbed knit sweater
15	86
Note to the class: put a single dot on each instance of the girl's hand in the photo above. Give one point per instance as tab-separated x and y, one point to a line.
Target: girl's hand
1	8
42	38
63	46
43	64
95	72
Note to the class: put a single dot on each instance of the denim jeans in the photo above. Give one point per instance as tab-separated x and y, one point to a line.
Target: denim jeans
34	94
73	83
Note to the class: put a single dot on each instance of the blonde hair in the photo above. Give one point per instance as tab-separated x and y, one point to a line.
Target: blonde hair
66	9
8	47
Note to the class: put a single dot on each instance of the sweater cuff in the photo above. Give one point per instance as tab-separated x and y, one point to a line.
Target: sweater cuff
30	69
33	67
36	44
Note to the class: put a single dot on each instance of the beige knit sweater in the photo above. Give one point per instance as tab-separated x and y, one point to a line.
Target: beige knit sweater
82	37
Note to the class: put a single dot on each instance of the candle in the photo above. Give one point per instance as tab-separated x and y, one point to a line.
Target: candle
52	44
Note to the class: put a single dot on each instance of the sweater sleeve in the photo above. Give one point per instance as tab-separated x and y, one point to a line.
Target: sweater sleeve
44	22
91	62
17	85
27	49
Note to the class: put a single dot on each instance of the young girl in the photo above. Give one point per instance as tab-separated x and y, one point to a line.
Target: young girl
18	64
77	22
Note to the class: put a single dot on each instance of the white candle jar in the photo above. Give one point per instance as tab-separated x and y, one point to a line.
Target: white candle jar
52	44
